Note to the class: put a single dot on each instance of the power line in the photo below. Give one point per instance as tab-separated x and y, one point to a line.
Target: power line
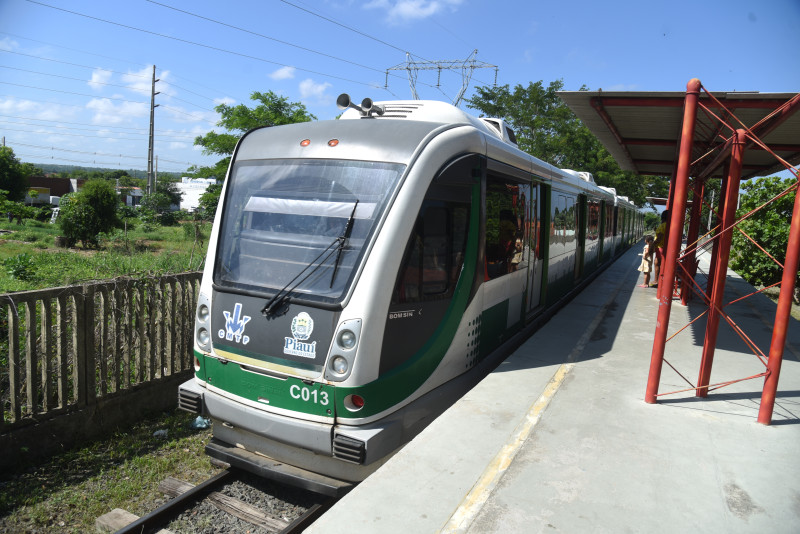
107	57
359	32
194	43
264	36
73	93
347	27
97	163
194	117
67	62
59	127
96	83
103	126
75	135
99	153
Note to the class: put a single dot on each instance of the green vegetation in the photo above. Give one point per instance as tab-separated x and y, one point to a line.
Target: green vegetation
68	493
90	212
769	227
29	258
271	110
546	128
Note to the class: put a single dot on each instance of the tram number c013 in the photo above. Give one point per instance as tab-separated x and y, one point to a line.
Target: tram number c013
309	395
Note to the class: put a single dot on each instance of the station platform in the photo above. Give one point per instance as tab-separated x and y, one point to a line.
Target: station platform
559	439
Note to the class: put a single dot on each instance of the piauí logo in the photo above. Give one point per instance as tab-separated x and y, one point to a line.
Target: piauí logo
302	326
234	325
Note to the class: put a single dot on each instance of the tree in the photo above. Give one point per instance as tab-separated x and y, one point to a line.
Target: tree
13	176
769	227
171	191
547	128
88	213
209	201
272	110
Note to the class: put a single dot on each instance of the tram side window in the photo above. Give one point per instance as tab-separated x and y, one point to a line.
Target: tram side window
435	253
570	223
593	226
564	222
505	219
609	221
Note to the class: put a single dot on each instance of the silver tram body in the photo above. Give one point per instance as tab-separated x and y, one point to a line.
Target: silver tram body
364	273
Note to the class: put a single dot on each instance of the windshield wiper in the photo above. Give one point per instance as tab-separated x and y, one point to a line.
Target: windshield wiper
343	241
275	304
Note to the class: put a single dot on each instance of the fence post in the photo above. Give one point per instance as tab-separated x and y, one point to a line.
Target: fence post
13	360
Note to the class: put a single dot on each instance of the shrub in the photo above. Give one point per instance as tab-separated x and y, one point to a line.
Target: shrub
91	211
20	267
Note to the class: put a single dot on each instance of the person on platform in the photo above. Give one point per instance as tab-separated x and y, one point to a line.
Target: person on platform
647	260
660	241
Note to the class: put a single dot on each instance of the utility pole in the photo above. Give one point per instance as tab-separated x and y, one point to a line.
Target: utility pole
467	67
153	106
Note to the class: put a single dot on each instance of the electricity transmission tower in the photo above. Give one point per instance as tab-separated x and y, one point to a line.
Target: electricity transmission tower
466	66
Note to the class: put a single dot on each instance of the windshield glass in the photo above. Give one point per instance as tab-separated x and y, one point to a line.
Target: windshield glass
281	215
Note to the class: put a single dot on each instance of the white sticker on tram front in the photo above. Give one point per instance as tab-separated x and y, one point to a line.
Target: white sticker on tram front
234	325
309	395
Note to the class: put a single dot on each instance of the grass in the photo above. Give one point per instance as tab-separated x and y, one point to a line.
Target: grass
29	258
68	493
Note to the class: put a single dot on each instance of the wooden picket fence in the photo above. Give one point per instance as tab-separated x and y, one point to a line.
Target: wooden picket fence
63	349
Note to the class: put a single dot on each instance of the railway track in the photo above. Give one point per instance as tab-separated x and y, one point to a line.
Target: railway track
232	501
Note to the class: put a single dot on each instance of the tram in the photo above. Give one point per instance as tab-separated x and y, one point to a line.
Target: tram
364	273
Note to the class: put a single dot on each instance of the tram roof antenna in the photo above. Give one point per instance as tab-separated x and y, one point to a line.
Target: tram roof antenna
466	66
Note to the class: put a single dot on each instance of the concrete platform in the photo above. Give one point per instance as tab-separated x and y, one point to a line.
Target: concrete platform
559	438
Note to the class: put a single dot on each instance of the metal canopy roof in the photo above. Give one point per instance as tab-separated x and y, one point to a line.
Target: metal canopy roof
642	130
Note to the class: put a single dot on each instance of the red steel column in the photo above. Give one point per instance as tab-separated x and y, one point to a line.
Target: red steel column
677	209
781	318
691	241
721	271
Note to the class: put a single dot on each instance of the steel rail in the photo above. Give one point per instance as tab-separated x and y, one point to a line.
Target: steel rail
158	516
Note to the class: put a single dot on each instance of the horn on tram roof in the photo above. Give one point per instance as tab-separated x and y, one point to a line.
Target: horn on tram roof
370	107
344	102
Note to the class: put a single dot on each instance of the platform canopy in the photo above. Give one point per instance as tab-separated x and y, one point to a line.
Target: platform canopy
642	130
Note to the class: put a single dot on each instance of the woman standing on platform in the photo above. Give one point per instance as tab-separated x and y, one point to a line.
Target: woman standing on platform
661	234
647	260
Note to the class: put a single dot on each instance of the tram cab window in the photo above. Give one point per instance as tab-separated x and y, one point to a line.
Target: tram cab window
435	253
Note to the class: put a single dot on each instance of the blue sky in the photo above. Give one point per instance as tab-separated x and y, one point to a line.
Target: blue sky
75	74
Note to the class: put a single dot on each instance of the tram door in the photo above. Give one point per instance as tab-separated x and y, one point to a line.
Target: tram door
533	248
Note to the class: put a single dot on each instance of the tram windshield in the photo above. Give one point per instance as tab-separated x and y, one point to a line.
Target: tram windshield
281	216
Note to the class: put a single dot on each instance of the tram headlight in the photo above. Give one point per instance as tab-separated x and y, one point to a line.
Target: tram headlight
339	365
203	337
202	312
346	339
343	350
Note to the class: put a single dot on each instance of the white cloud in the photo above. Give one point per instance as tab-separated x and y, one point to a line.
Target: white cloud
283	73
183	115
410	10
36	110
6	43
309	90
99	78
108	112
224	100
142	81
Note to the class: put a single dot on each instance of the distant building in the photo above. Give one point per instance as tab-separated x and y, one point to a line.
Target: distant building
193	189
130	196
50	190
